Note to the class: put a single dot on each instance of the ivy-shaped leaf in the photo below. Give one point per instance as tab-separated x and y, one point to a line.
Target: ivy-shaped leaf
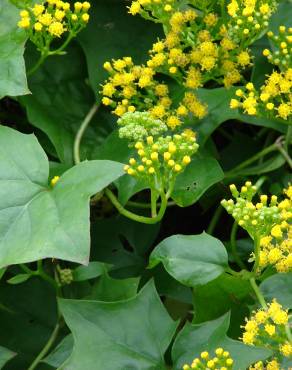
36	220
278	286
191	259
194	339
12	68
130	334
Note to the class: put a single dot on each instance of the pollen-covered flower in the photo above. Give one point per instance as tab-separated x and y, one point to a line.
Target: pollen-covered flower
266	328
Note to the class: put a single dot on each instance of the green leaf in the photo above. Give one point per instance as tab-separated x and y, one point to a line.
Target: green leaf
122	243
18	279
203	172
60	100
278	286
61	353
194	339
230	294
27	318
191	259
93	270
113	33
12	39
37	221
128	334
109	290
5	356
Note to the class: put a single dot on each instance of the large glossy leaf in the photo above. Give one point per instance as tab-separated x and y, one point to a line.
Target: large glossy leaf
131	334
37	221
12	68
194	339
230	294
60	100
5	356
28	314
113	33
278	286
191	259
203	172
123	243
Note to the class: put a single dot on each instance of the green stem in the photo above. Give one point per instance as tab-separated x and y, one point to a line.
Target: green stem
130	203
133	216
288	137
285	155
26	269
251	160
47	346
61	48
233	246
38	64
258	293
257	254
80	132
288	332
153	203
214	220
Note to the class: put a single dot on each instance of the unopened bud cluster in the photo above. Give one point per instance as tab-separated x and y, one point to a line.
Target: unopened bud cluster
160	160
256	218
138	125
266	328
282	45
276	248
51	19
66	276
221	360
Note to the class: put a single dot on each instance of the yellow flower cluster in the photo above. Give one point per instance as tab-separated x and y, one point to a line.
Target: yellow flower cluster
282	56
134	87
52	19
276	248
160	161
269	365
249	19
221	360
266	327
275	98
198	48
258	218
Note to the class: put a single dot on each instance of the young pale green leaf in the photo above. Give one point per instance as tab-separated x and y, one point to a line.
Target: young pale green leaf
278	286
37	221
130	334
194	339
93	270
12	68
198	177
18	279
191	259
5	356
